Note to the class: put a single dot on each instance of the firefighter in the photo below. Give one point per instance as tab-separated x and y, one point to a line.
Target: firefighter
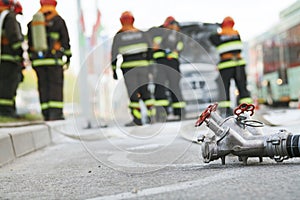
167	45
50	53
11	57
18	10
231	64
133	45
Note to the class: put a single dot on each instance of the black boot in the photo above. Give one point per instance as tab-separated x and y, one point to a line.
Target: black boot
134	122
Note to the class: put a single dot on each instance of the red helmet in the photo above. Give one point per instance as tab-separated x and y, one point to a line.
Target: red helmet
18	9
48	2
127	18
5	3
228	22
168	21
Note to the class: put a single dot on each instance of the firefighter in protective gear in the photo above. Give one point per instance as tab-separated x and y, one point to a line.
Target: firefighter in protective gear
167	44
18	10
49	63
133	45
231	64
11	57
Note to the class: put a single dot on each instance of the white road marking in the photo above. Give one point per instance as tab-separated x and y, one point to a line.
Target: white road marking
171	188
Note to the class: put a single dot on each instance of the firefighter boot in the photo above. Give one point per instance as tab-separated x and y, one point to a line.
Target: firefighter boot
134	122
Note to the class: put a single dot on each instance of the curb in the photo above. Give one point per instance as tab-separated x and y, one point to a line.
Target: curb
18	141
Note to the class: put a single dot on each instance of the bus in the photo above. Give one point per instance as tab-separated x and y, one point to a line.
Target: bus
274	60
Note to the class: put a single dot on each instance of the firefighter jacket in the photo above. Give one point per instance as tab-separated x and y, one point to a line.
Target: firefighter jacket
229	46
134	48
58	43
11	39
166	43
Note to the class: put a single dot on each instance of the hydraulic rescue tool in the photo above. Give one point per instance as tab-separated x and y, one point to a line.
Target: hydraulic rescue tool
242	136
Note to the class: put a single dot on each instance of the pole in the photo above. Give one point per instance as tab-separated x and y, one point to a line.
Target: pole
84	93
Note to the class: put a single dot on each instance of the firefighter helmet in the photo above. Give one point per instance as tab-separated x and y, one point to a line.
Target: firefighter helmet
168	21
127	18
48	2
18	9
5	3
228	22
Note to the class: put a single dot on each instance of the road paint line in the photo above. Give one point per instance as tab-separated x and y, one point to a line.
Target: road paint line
171	188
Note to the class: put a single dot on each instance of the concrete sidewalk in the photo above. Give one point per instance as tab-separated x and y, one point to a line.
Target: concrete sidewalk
19	139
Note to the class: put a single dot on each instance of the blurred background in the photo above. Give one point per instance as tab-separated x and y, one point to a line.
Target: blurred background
93	23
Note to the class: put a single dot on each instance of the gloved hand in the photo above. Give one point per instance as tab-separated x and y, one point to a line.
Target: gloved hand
67	64
115	76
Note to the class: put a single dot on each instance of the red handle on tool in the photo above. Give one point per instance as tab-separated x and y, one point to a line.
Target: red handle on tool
206	114
244	107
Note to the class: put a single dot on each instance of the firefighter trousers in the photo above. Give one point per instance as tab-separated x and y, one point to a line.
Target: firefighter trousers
9	80
239	75
167	80
137	81
50	87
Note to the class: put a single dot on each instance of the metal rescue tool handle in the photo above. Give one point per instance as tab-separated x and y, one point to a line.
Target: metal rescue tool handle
236	135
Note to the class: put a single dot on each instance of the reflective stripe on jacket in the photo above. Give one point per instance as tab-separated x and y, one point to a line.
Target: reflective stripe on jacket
134	48
168	43
231	63
229	46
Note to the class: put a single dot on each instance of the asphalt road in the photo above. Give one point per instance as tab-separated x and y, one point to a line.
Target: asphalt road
149	162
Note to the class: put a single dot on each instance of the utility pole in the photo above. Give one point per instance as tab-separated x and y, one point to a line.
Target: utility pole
84	93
